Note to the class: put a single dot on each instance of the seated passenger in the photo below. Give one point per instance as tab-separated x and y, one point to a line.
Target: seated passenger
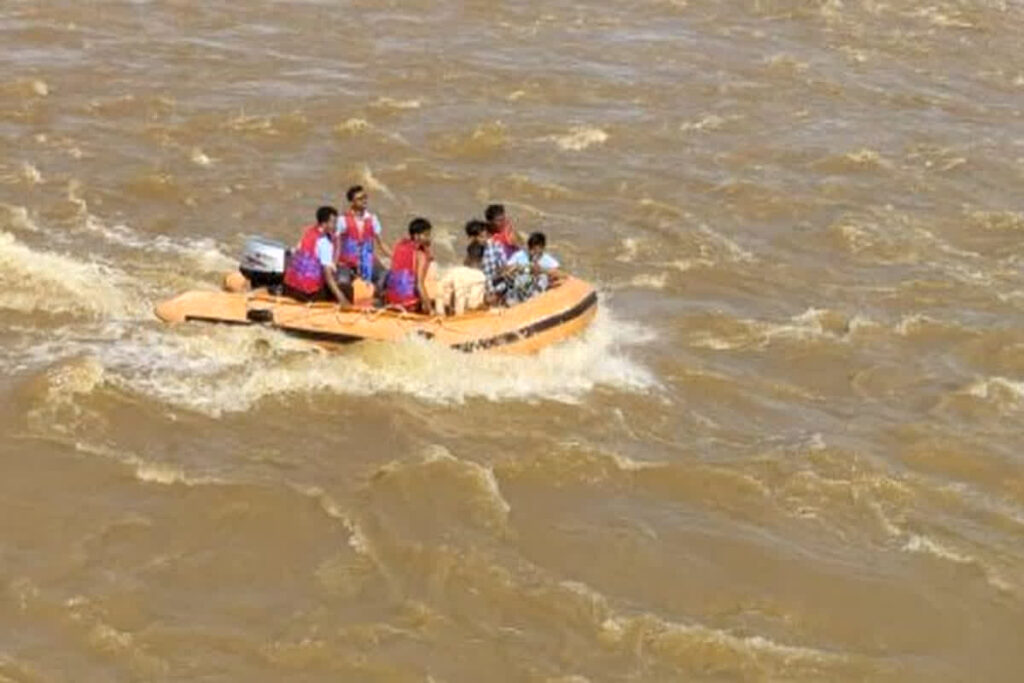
501	227
494	262
476	231
358	233
532	271
310	272
462	287
410	260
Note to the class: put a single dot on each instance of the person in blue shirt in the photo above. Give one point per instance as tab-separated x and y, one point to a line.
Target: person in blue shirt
532	270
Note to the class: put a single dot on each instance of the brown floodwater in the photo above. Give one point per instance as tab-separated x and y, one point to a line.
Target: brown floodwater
788	449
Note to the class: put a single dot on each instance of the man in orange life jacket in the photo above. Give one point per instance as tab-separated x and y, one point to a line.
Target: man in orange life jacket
358	235
409	262
310	273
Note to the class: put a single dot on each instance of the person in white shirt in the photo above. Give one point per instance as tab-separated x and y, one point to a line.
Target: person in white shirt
359	244
532	270
463	287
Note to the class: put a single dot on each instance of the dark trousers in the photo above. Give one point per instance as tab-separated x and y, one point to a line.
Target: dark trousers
322	294
347	275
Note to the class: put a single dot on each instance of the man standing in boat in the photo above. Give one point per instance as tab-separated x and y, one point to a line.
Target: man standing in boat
358	238
311	274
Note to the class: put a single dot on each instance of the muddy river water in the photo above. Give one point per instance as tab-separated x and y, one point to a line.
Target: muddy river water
788	449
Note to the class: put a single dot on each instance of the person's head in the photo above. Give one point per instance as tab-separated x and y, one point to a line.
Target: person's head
356	197
475	255
419	230
536	244
495	215
326	216
476	230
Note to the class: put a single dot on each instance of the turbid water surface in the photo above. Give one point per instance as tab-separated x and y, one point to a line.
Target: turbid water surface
788	449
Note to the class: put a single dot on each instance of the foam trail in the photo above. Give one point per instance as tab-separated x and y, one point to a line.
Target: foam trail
36	280
221	369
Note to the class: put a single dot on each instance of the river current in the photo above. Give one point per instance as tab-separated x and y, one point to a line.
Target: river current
789	448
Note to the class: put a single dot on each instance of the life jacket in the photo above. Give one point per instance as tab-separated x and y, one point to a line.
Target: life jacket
304	272
401	288
504	238
355	250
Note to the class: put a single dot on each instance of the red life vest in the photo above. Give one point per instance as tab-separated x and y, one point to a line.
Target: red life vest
355	249
504	238
401	289
304	271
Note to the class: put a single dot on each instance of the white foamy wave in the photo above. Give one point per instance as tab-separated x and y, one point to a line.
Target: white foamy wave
1005	393
204	253
350	126
629	251
37	280
694	643
30	174
579	138
708	122
479	486
147	471
199	158
391	103
923	544
650	280
733	251
16	218
216	369
814	324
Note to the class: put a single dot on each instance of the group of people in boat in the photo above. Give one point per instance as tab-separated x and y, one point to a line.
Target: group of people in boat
339	250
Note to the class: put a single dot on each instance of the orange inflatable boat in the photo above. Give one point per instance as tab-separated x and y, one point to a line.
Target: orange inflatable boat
546	319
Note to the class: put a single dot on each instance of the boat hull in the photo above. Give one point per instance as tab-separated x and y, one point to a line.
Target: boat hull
554	316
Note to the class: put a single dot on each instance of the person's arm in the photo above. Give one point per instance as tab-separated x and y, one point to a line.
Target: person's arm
420	265
332	284
549	265
381	247
377	241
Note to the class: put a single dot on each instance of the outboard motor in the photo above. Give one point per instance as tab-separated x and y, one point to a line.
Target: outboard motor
263	262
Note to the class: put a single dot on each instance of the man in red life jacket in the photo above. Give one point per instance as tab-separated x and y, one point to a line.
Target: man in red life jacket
358	238
310	273
409	262
500	227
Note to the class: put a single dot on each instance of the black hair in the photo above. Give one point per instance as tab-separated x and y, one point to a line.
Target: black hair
537	239
475	252
494	212
324	214
474	227
353	191
419	225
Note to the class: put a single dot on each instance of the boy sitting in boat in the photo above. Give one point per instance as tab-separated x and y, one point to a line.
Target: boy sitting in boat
532	271
410	261
463	287
310	272
501	229
476	231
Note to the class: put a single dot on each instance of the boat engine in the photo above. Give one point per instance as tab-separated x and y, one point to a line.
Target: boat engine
263	262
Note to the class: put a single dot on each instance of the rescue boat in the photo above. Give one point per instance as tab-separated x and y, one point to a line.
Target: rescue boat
548	318
545	319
